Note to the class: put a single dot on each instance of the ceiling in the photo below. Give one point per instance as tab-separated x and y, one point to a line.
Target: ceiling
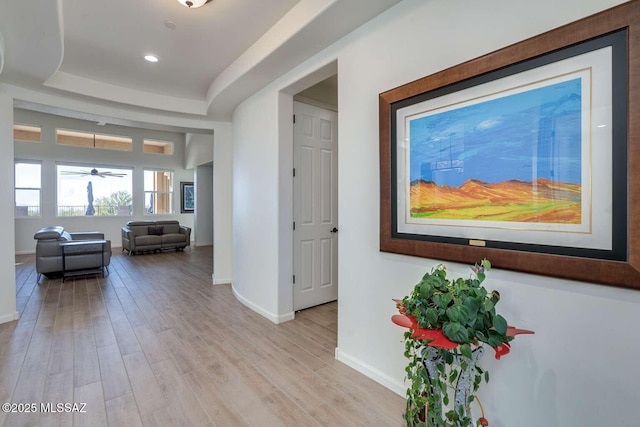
210	58
106	41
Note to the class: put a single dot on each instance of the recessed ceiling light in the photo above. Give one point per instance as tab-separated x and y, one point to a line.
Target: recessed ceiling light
151	58
170	25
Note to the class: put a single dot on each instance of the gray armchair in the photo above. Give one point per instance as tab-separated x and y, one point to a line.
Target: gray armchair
49	252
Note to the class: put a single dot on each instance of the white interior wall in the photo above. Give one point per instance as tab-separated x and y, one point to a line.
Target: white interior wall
49	153
198	151
285	209
203	149
7	252
255	204
222	204
203	212
568	374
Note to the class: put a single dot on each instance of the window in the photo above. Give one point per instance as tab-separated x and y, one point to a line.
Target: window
27	190
157	147
88	190
93	140
158	192
26	133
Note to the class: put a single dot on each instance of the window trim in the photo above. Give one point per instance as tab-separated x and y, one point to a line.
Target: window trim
155	192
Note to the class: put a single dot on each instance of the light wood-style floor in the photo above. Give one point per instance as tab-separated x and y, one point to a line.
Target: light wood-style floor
156	344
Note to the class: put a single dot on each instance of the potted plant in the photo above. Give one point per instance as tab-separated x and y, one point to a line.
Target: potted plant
450	320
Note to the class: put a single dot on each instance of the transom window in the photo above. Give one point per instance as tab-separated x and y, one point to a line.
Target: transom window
93	140
158	192
157	147
27	190
88	191
27	133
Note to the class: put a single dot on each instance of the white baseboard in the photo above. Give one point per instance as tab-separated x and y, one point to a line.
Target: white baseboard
221	281
384	379
286	317
9	317
261	311
33	252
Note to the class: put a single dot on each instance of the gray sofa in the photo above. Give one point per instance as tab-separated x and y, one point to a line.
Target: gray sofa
140	236
49	259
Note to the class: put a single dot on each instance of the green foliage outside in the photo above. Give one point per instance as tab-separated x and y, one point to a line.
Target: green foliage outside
118	203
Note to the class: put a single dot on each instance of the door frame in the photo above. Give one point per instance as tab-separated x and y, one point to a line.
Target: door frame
285	186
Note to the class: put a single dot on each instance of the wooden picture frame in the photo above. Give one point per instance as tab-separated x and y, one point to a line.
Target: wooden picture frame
413	226
187	197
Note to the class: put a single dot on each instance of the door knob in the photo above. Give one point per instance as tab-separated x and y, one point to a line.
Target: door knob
334	230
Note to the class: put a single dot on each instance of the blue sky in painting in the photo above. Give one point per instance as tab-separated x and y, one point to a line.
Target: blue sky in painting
534	133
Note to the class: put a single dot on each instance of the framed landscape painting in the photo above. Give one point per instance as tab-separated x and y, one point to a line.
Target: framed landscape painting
524	156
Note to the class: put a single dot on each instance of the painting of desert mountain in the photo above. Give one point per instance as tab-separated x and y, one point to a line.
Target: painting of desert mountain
541	201
517	156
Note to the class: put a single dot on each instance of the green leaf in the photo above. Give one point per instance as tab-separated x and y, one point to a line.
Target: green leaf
488	322
493	340
458	313
473	305
445	299
480	335
425	290
431	316
466	351
500	324
486	264
437	299
447	357
487	305
486	376
455	332
476	382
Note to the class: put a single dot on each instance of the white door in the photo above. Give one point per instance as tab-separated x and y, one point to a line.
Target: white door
315	206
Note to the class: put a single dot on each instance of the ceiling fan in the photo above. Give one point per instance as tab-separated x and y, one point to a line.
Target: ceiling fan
94	172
